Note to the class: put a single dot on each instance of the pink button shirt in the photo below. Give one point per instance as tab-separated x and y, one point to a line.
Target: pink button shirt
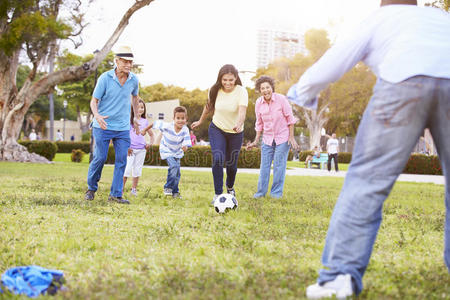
274	118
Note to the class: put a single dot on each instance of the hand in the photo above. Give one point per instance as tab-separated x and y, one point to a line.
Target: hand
195	124
101	121
293	143
147	146
142	132
184	148
238	127
130	151
250	145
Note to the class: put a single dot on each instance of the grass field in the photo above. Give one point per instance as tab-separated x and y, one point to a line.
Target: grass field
159	247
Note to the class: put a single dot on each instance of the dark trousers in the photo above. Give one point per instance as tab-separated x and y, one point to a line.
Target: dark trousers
225	148
335	158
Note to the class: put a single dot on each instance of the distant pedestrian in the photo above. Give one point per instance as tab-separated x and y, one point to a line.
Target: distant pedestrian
59	136
72	138
193	138
32	135
110	105
333	150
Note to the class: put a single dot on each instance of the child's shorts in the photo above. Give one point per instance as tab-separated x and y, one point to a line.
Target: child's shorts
135	161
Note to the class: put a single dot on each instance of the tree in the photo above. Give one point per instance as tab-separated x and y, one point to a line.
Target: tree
34	27
444	4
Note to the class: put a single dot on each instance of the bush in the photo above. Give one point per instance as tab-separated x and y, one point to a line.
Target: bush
43	148
197	156
77	155
67	147
344	157
86	136
423	164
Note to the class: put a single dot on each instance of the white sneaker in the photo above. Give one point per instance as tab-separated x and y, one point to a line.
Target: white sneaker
133	192
214	199
341	287
168	192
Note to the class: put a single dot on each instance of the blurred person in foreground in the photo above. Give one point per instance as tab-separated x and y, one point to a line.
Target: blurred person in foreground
408	49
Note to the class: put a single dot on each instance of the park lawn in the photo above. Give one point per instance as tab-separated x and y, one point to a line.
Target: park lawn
159	247
65	157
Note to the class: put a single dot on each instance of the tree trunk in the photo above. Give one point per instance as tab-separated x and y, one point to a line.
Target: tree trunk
315	122
14	104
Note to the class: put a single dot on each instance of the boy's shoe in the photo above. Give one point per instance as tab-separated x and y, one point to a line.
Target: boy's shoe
340	287
176	195
231	191
120	200
133	192
89	195
168	192
214	199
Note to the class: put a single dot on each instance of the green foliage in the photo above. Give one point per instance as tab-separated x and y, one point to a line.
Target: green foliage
197	156
68	147
164	248
86	136
344	157
77	155
423	164
317	42
43	148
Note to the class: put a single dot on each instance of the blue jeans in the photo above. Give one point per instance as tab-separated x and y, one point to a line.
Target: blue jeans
121	142
173	174
278	154
395	118
225	148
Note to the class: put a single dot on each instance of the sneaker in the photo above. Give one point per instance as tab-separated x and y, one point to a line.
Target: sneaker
176	195
231	191
133	192
89	195
168	192
120	200
214	199
340	287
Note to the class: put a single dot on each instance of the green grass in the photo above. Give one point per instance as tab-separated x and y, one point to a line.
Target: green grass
162	248
65	157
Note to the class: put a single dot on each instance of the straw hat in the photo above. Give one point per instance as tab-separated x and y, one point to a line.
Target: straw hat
125	53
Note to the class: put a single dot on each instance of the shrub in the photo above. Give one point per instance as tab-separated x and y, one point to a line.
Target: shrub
423	164
344	157
86	136
43	148
197	156
77	155
67	147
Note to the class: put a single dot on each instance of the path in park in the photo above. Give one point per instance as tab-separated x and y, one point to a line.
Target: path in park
316	172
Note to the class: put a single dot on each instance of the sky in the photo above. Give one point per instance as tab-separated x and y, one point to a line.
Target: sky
185	42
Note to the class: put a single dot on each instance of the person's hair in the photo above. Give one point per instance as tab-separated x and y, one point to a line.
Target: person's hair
263	79
389	2
144	114
214	90
180	109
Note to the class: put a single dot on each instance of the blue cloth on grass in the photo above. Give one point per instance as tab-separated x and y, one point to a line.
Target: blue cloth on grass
32	280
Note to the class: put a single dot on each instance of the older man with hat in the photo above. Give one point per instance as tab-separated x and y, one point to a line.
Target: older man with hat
111	108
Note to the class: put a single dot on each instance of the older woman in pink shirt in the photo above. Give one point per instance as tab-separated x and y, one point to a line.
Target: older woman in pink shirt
275	121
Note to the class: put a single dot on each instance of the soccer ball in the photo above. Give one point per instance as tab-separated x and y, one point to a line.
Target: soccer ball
225	202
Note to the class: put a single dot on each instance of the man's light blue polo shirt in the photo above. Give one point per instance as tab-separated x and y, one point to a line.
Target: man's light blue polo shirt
115	100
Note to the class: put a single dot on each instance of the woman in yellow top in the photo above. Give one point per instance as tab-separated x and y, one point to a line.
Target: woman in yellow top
228	101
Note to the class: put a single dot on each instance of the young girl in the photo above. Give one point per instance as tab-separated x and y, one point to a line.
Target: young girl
138	148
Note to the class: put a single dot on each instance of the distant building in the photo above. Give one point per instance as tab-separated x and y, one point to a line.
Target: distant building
160	110
273	44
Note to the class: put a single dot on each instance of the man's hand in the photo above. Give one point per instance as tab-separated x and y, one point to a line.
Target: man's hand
250	145
101	121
